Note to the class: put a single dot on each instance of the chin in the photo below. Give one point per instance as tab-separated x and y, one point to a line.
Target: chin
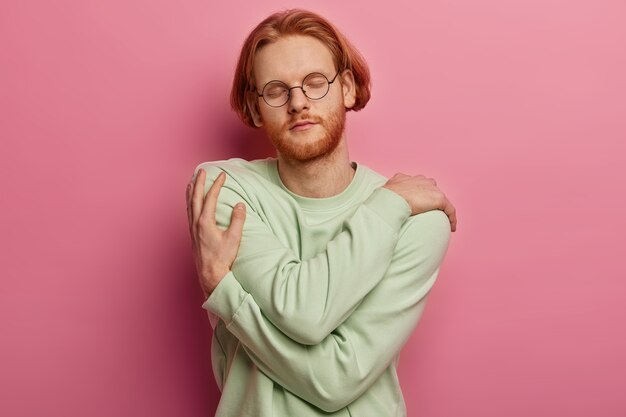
307	148
313	143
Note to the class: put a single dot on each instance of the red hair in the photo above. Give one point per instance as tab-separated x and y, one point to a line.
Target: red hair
296	22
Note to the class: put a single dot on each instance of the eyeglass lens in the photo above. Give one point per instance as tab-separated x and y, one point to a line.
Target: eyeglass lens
314	86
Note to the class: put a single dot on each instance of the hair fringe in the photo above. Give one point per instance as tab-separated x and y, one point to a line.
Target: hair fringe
296	22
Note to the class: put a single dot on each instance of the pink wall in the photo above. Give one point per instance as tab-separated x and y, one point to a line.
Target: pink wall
516	107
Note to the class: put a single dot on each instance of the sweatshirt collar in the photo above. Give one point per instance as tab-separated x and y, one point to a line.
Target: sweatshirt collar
321	204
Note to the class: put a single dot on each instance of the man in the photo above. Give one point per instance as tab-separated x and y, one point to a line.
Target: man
314	285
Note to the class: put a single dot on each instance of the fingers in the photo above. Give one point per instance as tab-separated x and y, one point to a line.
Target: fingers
237	219
450	211
188	202
418	179
196	197
210	200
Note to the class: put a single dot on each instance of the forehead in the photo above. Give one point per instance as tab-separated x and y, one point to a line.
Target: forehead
290	58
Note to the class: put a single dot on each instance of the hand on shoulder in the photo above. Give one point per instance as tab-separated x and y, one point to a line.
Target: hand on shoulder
422	194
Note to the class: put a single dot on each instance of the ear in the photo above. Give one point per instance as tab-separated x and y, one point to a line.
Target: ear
349	88
252	101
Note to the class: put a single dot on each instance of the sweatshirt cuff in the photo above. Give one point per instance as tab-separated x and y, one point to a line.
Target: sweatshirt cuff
390	206
226	298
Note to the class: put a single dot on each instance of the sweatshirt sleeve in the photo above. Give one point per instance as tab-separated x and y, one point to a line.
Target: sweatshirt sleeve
306	300
335	372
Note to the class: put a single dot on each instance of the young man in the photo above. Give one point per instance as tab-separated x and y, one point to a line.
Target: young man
316	284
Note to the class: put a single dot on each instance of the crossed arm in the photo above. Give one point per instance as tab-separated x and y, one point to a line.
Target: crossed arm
306	300
367	332
339	369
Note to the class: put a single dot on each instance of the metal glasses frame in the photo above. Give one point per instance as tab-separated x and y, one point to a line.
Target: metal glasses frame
301	87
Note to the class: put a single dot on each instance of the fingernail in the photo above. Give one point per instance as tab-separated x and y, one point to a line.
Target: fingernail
240	206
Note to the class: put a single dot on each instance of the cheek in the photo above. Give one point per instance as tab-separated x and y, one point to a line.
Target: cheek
270	117
333	105
274	122
338	98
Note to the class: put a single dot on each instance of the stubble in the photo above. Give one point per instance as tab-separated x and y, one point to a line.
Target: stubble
287	143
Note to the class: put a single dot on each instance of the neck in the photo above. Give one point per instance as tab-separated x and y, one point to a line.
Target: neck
322	177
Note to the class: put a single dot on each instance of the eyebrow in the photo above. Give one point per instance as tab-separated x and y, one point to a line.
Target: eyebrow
310	72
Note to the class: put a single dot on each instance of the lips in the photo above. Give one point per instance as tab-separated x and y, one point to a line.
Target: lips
302	124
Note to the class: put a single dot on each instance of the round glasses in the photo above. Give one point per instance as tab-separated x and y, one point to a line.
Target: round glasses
314	86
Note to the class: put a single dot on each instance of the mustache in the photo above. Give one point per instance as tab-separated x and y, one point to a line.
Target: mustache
315	119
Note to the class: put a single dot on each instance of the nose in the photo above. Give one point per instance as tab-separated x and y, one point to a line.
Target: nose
297	100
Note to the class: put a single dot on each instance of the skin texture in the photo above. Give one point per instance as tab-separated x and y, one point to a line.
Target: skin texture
214	249
327	141
312	163
328	113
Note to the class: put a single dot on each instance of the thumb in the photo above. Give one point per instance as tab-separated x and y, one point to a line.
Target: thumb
237	218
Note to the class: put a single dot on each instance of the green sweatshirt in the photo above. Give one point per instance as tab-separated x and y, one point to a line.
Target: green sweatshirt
322	296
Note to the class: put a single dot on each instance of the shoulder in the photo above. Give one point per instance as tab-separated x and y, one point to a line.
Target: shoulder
245	181
235	167
371	177
427	232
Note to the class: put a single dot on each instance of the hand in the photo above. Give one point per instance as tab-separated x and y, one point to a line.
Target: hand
422	195
214	249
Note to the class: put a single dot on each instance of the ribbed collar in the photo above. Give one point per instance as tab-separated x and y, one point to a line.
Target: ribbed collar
321	204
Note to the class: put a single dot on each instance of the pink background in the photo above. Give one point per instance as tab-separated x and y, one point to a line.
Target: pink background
517	108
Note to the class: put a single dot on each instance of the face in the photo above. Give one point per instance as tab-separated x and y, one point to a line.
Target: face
289	60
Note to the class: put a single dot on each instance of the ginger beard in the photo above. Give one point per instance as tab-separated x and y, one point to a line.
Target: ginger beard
299	146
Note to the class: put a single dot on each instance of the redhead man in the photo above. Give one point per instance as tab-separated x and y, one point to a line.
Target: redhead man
315	268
